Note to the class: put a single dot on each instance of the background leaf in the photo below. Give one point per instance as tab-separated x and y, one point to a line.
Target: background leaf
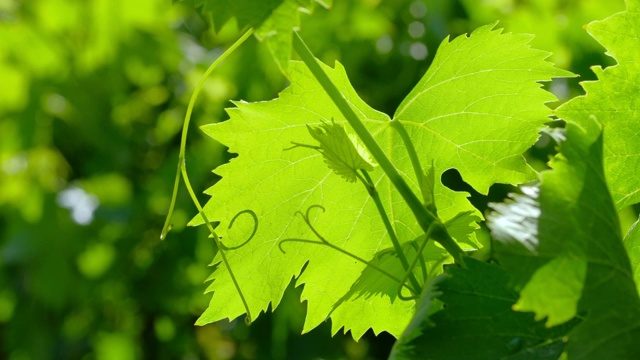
579	247
612	100
273	20
246	12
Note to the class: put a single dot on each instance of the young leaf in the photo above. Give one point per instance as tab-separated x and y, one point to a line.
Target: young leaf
477	321
341	152
275	184
573	262
613	101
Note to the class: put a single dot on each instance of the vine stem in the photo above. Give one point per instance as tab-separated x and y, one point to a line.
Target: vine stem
424	217
413	154
420	177
182	170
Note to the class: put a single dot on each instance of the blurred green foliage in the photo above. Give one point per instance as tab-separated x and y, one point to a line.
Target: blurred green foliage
92	96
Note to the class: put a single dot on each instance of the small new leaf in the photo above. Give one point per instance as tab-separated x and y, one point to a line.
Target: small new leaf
341	152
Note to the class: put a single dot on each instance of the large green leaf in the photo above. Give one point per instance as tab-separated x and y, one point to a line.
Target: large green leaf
563	246
276	183
477	321
613	101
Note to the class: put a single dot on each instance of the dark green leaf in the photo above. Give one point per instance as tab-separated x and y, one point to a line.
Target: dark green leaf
477	321
570	258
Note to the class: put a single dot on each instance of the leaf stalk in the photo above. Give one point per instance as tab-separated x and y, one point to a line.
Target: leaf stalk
371	188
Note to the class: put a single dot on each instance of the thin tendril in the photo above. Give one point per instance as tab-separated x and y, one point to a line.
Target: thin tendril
182	170
255	229
418	257
185	128
423	264
323	241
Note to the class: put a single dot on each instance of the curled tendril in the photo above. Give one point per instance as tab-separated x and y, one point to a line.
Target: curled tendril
406	298
305	217
255	229
323	241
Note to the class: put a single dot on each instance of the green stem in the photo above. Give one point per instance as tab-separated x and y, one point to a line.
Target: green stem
413	155
185	128
423	264
441	235
420	176
419	257
424	217
182	170
371	188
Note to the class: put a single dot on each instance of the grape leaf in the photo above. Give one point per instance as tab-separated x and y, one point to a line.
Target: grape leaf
612	99
576	262
477	321
273	20
275	184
